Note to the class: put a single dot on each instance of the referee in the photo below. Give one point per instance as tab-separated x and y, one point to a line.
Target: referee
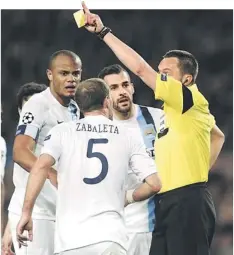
186	147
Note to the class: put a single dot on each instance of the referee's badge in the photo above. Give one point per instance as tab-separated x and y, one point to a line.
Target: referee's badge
163	77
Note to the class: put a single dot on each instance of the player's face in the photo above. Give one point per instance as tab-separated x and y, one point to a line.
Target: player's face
121	91
65	76
170	66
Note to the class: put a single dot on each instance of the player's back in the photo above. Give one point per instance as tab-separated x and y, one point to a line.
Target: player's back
92	171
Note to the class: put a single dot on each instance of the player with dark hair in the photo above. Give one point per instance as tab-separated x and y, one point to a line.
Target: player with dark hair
139	217
187	146
39	114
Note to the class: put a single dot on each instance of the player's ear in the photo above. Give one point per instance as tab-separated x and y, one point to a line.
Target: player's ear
106	103
49	74
80	75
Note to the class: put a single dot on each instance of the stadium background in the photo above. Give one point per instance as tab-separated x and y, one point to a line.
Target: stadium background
29	37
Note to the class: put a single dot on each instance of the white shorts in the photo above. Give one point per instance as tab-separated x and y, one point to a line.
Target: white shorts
43	237
103	248
139	243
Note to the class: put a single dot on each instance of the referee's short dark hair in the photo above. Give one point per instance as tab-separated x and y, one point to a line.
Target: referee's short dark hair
90	94
187	62
111	69
28	89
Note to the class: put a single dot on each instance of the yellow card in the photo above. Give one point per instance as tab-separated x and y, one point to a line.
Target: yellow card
79	18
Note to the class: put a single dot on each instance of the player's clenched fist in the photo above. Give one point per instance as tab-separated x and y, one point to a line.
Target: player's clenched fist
92	21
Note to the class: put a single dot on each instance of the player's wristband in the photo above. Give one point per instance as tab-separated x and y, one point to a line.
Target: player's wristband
129	196
103	32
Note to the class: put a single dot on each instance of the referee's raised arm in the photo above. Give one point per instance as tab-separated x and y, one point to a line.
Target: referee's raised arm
130	58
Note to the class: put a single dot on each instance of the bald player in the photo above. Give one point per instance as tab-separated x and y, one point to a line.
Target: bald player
39	114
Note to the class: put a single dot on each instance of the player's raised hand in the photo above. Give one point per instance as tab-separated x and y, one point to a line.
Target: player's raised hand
25	223
92	21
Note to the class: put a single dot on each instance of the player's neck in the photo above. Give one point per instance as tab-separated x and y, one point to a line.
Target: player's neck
95	113
64	101
125	116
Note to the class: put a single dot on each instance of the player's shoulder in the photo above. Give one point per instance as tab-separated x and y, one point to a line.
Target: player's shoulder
64	127
39	100
68	124
156	113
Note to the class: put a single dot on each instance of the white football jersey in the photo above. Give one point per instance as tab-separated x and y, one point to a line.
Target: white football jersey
93	158
140	216
39	114
3	157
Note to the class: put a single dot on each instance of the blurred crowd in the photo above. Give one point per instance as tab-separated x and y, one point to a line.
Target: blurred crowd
29	37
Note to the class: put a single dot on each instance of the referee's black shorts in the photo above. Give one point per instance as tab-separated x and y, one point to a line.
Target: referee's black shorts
185	221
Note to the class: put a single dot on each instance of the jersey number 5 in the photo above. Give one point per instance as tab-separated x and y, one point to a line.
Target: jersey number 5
101	157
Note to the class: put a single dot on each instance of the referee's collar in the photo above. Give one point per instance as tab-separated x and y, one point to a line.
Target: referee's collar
193	87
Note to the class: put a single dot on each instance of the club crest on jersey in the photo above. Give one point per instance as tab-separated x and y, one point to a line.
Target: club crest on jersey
47	137
28	118
163	77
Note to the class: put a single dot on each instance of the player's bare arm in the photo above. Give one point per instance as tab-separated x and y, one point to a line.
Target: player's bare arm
23	151
7	241
36	180
130	58
217	140
150	187
24	156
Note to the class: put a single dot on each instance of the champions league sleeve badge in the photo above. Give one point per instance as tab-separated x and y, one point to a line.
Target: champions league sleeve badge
28	118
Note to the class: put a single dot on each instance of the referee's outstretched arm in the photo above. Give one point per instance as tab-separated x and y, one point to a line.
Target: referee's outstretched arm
216	143
130	58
